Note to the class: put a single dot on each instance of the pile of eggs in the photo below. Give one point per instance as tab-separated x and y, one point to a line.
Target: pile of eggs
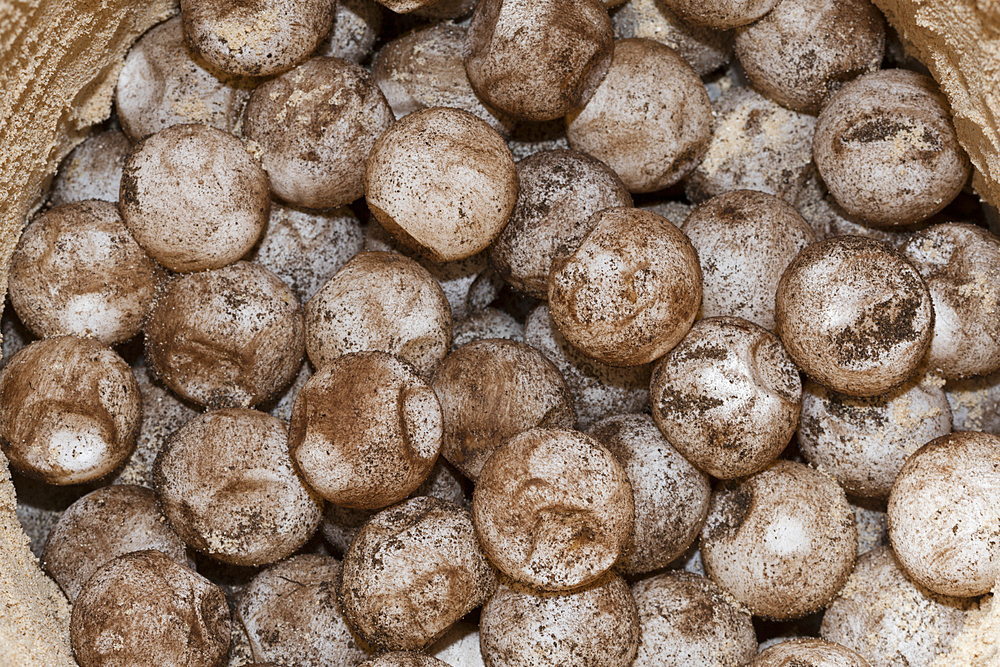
512	334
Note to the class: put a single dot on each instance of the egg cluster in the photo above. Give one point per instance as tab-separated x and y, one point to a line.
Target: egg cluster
514	333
